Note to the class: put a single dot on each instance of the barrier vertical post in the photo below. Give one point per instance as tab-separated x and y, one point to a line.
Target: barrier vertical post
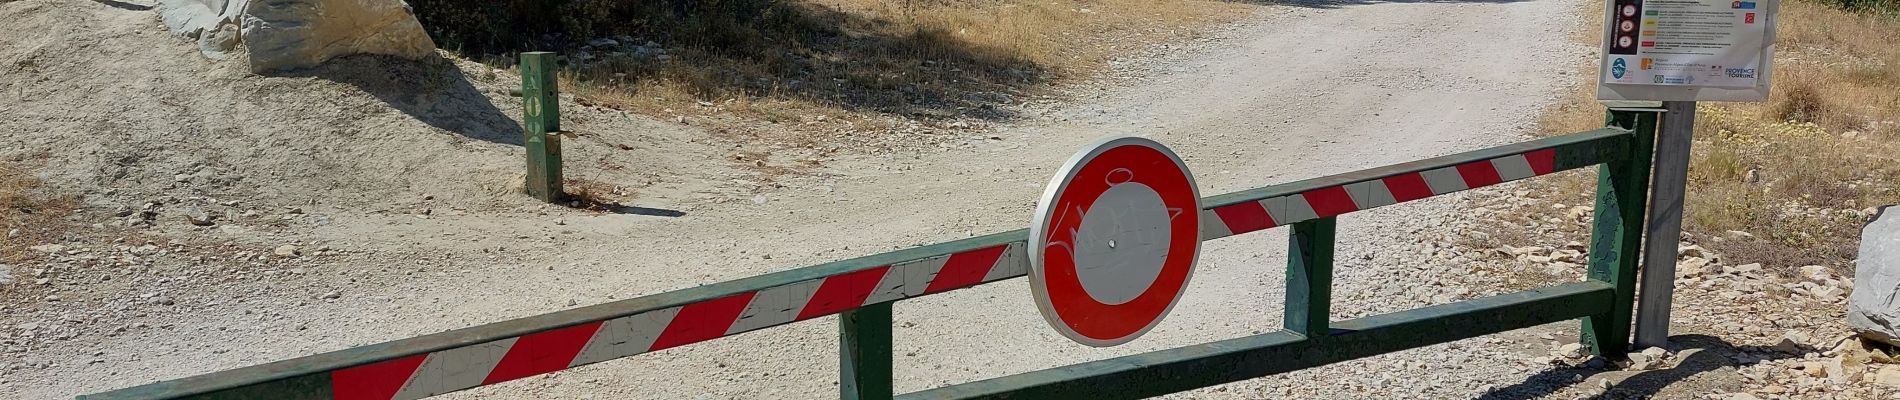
864	353
1616	239
541	104
1309	278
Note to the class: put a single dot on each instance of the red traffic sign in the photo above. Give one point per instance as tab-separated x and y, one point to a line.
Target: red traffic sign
1114	241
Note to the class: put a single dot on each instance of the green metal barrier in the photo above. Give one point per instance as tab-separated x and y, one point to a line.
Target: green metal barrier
863	290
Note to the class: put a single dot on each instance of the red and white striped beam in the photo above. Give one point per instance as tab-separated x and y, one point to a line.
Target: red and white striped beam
450	370
1330	201
456	369
457	360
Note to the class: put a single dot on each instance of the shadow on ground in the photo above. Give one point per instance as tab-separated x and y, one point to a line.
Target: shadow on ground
123	5
1698	371
1332	4
433	91
722	49
582	201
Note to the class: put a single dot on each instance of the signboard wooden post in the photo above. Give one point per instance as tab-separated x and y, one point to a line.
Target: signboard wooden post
1680	52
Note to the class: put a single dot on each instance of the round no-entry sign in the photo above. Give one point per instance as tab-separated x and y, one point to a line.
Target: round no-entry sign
1114	241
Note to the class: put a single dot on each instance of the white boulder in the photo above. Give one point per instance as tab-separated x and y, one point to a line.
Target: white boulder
1873	309
287	34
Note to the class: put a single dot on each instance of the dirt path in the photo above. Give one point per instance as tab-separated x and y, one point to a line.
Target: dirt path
1304	90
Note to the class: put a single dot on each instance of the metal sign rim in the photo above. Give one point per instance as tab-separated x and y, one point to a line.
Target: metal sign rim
1038	235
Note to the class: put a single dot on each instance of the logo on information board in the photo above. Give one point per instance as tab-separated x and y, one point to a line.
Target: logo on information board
1618	67
1648	63
1748	18
1743	5
1740	72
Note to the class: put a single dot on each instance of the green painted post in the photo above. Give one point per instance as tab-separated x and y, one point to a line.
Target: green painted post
864	353
1309	278
1617	236
541	102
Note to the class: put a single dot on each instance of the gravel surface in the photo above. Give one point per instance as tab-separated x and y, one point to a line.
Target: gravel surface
1303	90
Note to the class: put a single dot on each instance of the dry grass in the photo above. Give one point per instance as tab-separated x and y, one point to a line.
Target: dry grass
589	194
29	213
791	61
1799	171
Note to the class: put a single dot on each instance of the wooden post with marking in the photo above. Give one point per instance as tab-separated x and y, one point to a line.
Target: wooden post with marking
541	104
864	353
1616	239
1309	278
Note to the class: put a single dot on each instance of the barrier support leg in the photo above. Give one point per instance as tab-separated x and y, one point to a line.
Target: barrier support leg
864	353
1309	278
1616	238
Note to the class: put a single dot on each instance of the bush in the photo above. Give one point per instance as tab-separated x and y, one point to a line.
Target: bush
492	27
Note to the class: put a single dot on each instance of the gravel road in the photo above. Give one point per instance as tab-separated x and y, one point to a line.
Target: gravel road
1305	89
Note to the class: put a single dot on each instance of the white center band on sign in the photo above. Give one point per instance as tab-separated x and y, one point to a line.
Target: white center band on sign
1121	243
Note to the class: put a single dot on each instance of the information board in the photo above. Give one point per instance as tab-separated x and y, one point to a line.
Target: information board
1687	50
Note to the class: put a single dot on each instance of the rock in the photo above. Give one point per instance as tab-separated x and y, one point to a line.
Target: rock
1792	342
1814	369
1880	356
331	295
1838	370
1572	350
1841	370
1826	294
1642	361
49	248
1579	213
1815	273
1741	269
1873	309
603	42
191	18
1740	396
1690	250
1853	350
199	217
283	34
287	251
6	274
1692	266
1655	352
1888	375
